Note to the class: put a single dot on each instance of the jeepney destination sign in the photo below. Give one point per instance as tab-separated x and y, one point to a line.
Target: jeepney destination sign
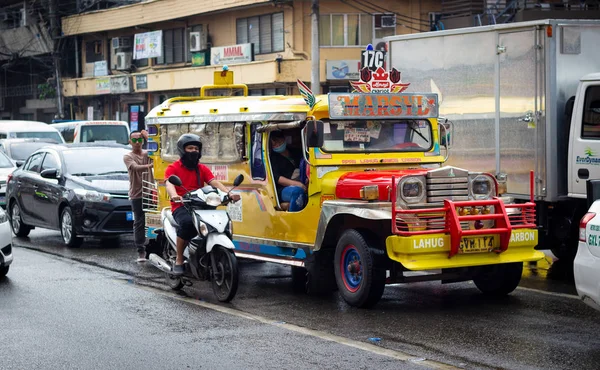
347	105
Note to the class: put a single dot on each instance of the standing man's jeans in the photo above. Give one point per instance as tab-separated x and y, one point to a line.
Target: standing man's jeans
139	225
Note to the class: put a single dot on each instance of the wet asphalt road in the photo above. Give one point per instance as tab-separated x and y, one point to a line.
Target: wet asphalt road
542	325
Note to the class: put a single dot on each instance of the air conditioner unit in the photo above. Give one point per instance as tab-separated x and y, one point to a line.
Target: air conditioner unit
388	21
121	42
123	61
198	41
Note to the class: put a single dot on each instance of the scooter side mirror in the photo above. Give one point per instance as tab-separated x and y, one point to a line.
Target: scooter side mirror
238	180
175	180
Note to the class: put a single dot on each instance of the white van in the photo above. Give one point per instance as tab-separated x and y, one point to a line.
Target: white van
91	131
29	129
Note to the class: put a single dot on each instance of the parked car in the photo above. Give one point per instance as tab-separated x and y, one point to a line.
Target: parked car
586	266
7	166
94	131
6	256
79	189
26	129
20	149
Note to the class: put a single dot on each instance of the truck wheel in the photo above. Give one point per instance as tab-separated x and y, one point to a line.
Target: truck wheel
499	280
360	281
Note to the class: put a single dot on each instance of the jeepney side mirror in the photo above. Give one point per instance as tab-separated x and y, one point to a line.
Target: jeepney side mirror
314	134
445	129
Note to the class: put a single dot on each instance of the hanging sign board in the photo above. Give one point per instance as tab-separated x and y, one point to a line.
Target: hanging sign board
397	106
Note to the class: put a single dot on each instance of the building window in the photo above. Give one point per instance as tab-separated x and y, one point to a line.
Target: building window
173	47
265	92
591	114
265	32
345	29
93	51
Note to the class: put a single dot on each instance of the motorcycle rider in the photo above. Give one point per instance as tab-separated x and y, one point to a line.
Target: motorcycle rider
193	176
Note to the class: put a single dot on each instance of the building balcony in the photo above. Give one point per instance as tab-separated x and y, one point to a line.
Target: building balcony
147	13
159	80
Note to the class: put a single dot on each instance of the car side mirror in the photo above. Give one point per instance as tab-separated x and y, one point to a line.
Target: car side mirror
314	134
50	173
19	163
238	180
175	180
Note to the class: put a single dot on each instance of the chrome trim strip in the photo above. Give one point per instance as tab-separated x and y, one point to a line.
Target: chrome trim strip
258	257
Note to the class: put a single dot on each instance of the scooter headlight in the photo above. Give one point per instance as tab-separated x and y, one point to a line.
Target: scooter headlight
213	200
200	226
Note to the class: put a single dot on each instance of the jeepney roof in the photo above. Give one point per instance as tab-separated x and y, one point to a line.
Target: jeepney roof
233	105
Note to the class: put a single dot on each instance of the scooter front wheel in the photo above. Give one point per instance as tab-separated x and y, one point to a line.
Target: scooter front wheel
225	276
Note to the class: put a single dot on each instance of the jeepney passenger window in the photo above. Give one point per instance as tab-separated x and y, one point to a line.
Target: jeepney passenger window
591	114
169	134
257	164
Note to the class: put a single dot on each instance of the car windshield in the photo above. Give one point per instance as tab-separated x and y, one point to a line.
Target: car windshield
91	133
5	162
21	151
42	135
377	136
95	161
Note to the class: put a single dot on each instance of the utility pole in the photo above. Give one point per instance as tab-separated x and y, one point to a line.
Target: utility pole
54	34
315	80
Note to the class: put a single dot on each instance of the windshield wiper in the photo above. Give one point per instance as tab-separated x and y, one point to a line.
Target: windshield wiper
418	133
111	172
83	174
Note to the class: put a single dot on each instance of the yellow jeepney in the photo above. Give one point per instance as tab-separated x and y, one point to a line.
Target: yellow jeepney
381	207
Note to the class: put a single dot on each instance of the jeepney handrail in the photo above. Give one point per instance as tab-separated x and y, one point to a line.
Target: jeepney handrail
167	103
223	87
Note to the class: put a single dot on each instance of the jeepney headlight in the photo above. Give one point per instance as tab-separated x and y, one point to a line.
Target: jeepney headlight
482	187
412	189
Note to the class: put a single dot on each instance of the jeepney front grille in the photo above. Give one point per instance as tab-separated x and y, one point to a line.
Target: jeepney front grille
452	188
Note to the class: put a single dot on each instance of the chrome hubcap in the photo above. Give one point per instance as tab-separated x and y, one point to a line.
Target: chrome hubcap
15	218
66	227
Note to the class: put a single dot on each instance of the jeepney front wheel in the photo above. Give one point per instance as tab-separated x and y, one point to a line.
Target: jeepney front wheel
499	280
359	274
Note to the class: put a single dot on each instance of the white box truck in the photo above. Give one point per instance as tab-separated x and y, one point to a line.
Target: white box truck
520	97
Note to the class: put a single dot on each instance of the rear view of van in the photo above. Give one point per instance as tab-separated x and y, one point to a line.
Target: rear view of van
94	131
29	129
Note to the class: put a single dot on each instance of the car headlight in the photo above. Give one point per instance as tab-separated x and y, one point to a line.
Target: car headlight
412	189
482	187
3	216
213	199
92	195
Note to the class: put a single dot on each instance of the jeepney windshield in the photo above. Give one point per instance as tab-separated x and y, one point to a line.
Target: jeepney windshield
406	135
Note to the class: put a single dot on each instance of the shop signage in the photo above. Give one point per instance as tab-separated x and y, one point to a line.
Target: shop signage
141	82
103	85
148	45
397	106
343	69
234	54
101	68
200	59
120	85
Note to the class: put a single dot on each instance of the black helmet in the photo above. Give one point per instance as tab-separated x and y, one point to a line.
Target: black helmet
188	139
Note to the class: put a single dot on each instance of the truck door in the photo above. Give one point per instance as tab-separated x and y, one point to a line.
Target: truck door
584	148
518	82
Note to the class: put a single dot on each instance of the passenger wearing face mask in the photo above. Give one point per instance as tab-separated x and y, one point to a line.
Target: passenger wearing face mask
193	176
286	173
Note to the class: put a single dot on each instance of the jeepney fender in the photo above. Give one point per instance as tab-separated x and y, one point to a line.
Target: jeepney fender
361	209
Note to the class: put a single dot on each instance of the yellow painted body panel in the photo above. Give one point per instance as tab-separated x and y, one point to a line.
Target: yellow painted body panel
430	252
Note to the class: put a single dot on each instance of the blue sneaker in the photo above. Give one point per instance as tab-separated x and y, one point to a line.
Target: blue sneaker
178	269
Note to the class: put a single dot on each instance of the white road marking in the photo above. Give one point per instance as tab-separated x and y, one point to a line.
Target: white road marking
562	295
398	355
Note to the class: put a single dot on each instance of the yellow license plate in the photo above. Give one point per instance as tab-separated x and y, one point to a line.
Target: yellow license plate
477	244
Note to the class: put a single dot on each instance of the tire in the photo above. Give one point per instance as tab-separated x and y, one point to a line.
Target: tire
299	279
174	282
225	279
18	227
363	287
4	271
67	229
317	278
499	280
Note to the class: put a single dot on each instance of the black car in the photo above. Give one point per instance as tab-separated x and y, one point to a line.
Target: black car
79	189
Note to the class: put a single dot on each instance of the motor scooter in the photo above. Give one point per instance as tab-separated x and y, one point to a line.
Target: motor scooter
209	256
